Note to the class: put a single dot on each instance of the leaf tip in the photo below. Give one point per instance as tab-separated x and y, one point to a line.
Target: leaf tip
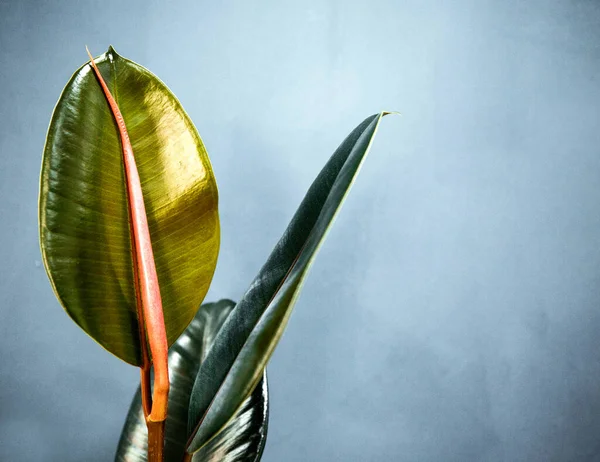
384	113
111	52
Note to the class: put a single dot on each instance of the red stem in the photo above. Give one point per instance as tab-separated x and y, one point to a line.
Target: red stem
148	292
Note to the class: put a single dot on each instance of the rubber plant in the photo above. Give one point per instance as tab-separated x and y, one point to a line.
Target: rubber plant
129	234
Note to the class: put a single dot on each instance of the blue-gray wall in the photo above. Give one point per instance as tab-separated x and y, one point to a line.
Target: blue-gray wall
453	313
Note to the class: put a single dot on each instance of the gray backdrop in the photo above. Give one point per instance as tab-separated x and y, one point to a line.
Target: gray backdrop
453	313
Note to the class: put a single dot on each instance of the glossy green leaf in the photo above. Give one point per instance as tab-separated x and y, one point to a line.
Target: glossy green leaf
83	211
243	440
242	348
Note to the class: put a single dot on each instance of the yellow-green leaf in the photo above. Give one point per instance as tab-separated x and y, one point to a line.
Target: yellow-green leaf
84	221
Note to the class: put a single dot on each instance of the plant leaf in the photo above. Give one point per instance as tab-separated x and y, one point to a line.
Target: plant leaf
242	348
84	222
244	438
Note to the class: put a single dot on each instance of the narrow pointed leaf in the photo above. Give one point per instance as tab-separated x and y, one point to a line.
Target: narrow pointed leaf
85	230
244	438
243	346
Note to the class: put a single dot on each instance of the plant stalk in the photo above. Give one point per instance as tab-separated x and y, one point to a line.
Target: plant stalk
156	441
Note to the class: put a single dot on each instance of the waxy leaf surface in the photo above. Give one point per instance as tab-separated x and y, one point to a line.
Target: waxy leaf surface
84	222
243	439
243	346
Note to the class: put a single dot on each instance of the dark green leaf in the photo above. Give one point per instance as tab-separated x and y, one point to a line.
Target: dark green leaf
84	222
244	438
245	343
